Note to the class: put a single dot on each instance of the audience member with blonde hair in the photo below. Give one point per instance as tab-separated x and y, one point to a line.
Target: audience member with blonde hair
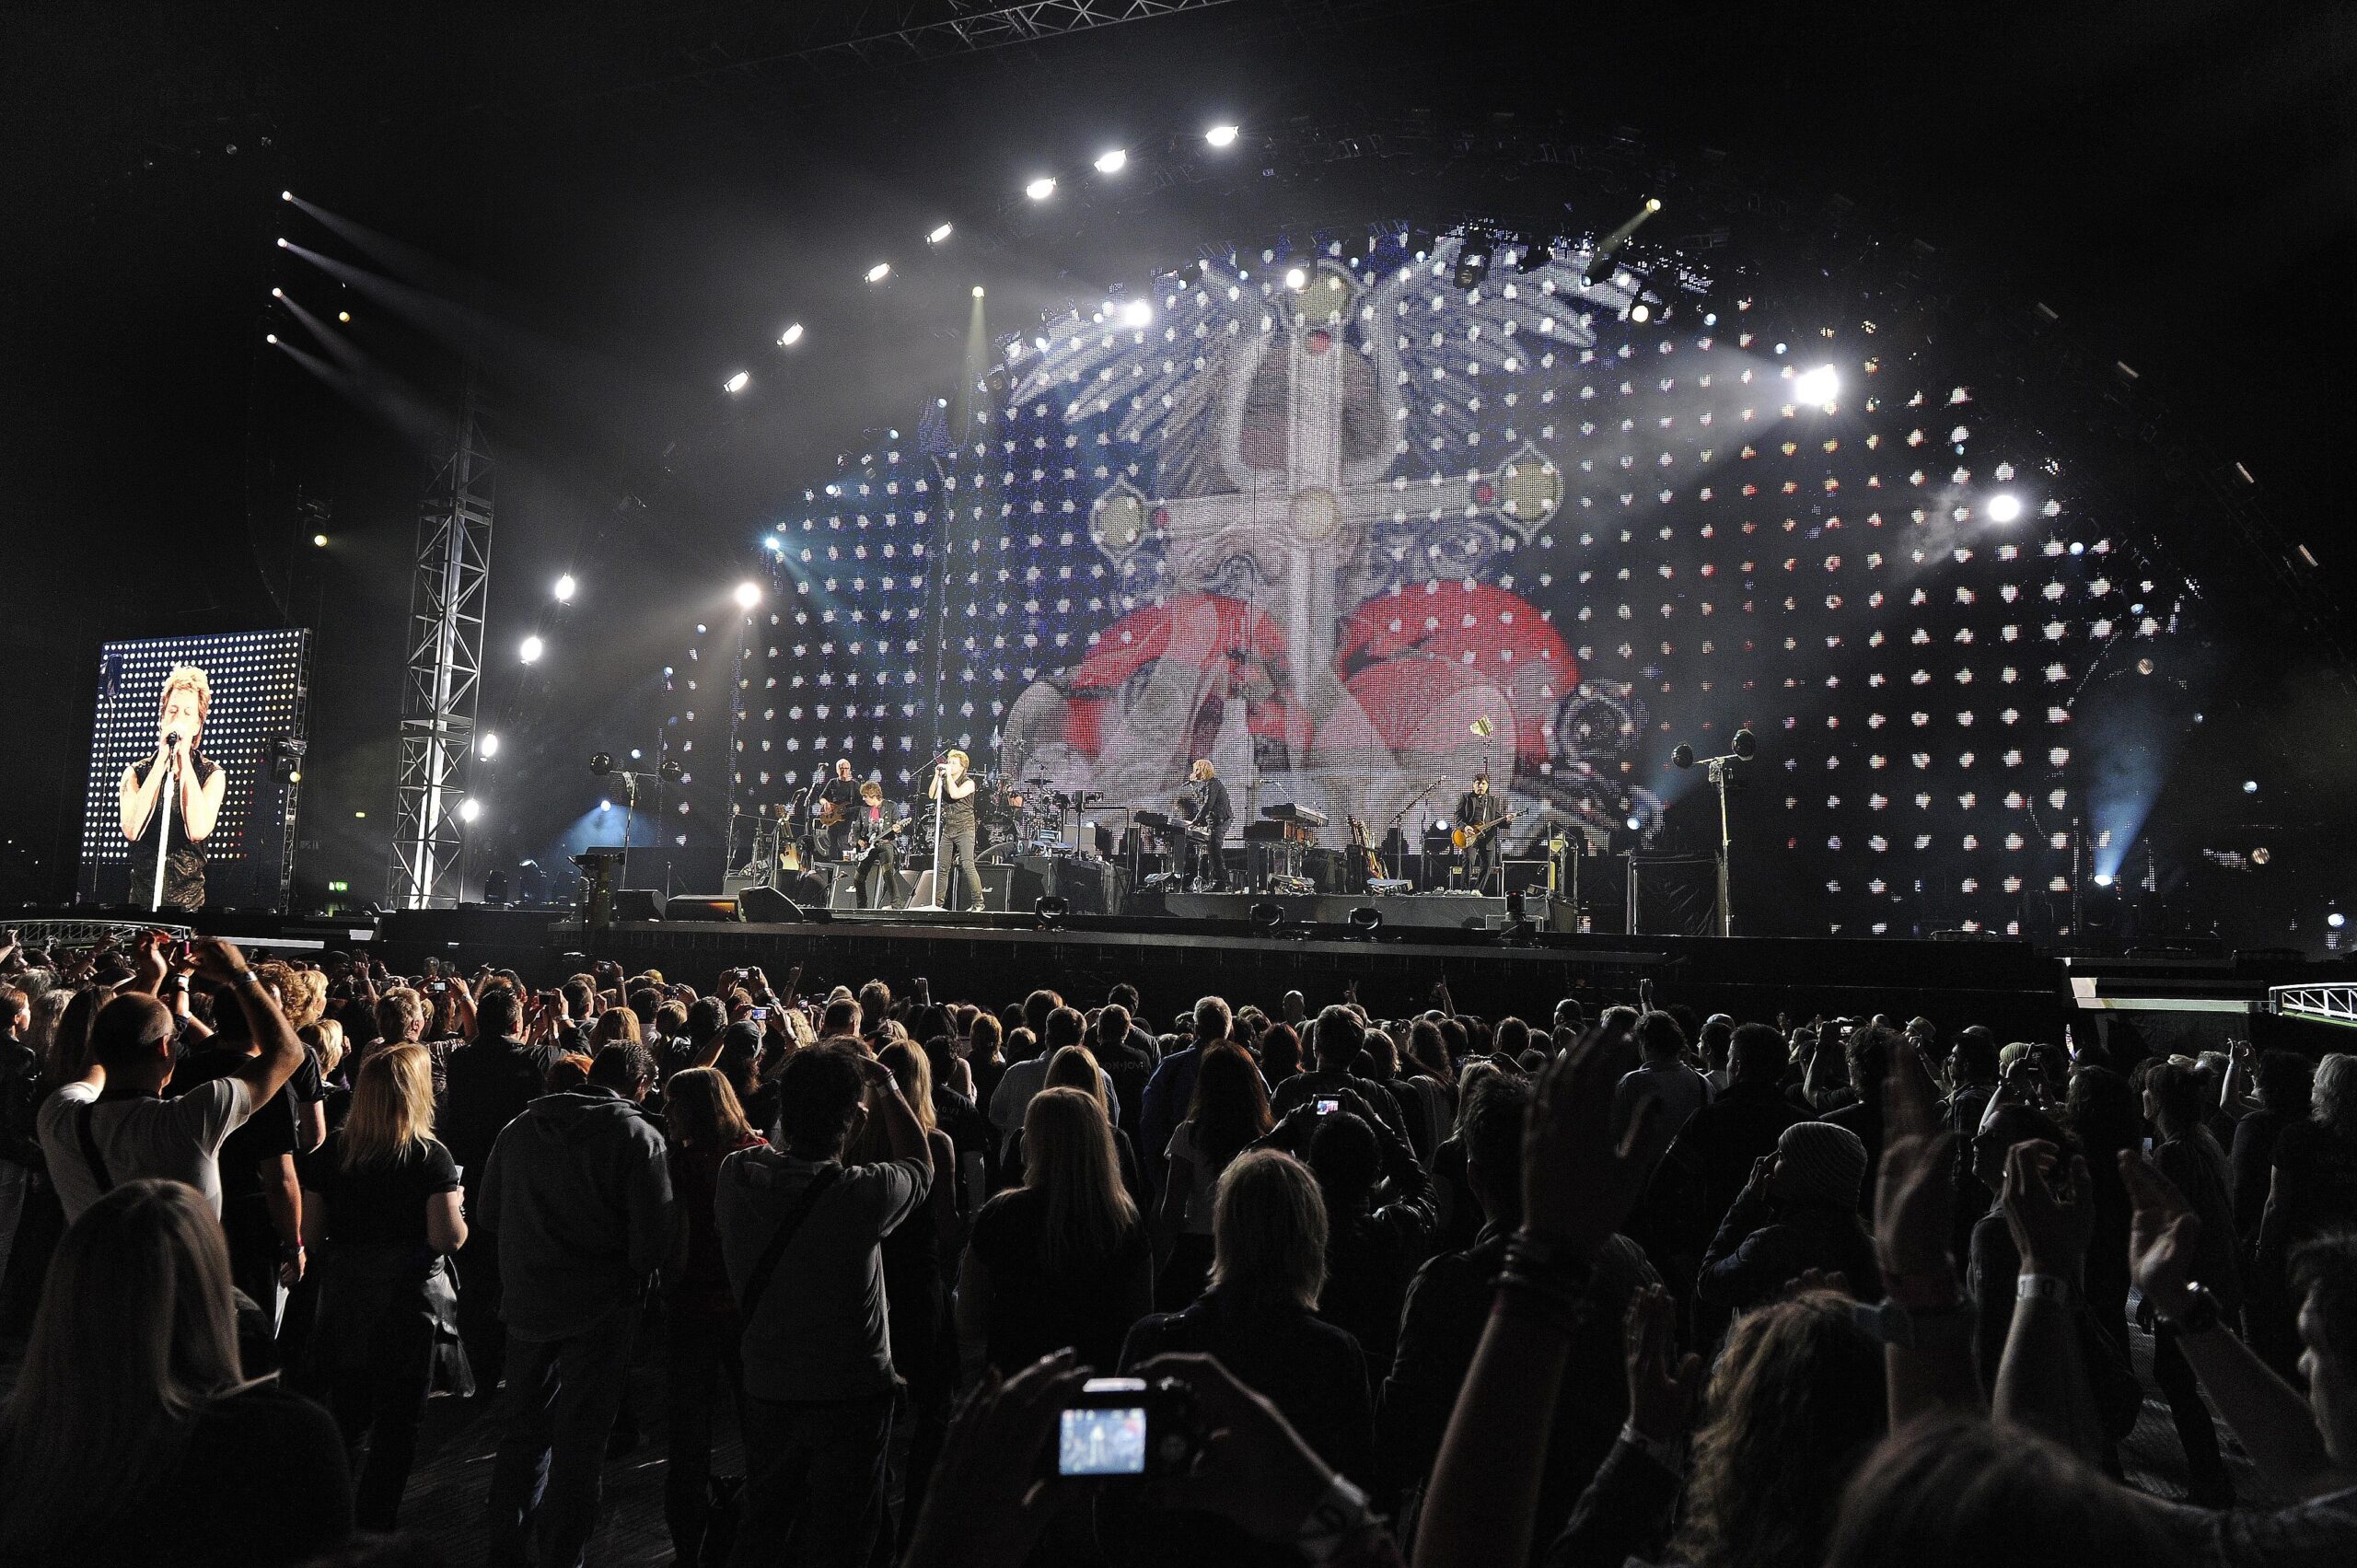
383	1205
132	1437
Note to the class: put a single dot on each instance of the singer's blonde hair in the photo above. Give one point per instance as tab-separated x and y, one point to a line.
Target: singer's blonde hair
963	761
187	677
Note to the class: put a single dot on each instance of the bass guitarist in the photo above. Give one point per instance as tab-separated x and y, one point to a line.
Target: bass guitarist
1478	815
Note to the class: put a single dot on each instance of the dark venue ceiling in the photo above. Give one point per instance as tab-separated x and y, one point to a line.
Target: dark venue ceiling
620	203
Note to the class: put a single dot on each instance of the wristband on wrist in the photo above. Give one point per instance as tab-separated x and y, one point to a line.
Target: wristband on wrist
2043	1287
1890	1323
2199	1318
1334	1521
1663	1453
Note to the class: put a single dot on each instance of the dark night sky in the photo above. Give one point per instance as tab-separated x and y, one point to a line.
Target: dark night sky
2177	178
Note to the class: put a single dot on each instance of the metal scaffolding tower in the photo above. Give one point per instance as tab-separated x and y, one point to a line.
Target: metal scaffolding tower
445	668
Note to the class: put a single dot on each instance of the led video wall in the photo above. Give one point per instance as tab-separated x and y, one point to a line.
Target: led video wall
192	778
1358	527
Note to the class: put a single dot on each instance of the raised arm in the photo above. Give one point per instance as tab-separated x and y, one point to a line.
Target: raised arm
266	1071
2268	1415
2041	1379
137	797
1581	1176
1913	1218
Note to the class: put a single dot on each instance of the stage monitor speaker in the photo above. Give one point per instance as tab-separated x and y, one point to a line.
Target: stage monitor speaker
1525	875
701	906
845	895
636	903
771	907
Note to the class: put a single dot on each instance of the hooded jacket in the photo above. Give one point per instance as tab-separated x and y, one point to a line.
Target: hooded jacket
577	1192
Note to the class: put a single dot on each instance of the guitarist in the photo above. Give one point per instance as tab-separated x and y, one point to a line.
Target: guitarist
838	801
1204	805
1476	809
877	833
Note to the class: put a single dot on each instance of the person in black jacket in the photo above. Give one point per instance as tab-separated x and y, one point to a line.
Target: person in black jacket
1371	1248
1204	805
490	1083
22	1089
1798	1211
1711	1160
1259	1318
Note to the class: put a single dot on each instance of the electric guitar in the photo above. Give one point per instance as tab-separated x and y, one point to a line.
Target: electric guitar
1465	838
1365	850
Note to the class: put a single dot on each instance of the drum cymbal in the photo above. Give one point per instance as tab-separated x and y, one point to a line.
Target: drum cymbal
1036	784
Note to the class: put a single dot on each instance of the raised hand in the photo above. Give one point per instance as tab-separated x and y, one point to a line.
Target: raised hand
1581	1175
217	960
988	1503
1662	1384
1913	1204
2050	1209
2161	1235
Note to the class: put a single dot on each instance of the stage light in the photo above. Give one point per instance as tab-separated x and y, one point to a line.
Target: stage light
1636	825
532	649
604	805
791	336
270	337
488	746
2336	920
669	771
635	754
287	195
1221	135
1113	162
747	595
2261	855
1652	203
1296	278
1137	313
601	764
1366	920
1746	745
1681	756
564	588
1640	312
344	316
978	291
1818	387
2004	508
2103	878
1050	911
282	244
1040	189
1266	916
2251	786
737	382
278	294
879	272
470	809
938	235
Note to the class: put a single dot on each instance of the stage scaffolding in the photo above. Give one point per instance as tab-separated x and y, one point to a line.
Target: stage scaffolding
445	672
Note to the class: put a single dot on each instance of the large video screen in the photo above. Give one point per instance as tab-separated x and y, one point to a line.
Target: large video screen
194	763
1358	529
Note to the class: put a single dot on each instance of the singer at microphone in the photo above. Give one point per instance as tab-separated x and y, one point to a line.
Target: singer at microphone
167	856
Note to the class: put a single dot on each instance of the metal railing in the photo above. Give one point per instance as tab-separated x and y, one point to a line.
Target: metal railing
2334	1003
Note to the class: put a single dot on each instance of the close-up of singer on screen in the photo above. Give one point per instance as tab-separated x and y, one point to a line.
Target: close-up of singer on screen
170	800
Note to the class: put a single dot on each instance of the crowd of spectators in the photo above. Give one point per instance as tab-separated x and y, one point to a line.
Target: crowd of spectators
1442	1289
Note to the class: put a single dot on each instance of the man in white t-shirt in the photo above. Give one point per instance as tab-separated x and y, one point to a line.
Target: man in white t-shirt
113	1125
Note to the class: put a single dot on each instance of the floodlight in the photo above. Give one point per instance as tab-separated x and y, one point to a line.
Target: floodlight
282	244
270	337
2103	878
791	336
1296	277
1636	825
531	650
938	235
287	195
278	294
1366	920
604	805
2004	508
2336	920
669	771
344	316
1266	916
1137	313
601	764
1050	911
978	291
879	272
1040	189
1746	745
564	588
469	810
1221	135
2261	855
2251	786
747	595
1113	162
488	746
1681	756
1640	312
1652	203
319	540
737	382
1817	387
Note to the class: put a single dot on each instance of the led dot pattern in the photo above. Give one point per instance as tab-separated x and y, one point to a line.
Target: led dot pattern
1622	534
257	684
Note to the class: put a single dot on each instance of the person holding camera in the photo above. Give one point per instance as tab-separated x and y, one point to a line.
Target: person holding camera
802	1233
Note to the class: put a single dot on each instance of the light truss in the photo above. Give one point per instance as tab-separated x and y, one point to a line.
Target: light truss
445	672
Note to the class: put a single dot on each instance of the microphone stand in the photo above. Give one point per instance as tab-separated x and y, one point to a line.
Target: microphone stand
164	828
940	787
1400	816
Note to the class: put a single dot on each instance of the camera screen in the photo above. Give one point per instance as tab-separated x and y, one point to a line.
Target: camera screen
1102	1440
1328	1105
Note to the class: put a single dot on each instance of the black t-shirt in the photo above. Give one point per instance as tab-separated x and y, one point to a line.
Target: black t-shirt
381	1203
269	1132
1035	1310
260	1483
